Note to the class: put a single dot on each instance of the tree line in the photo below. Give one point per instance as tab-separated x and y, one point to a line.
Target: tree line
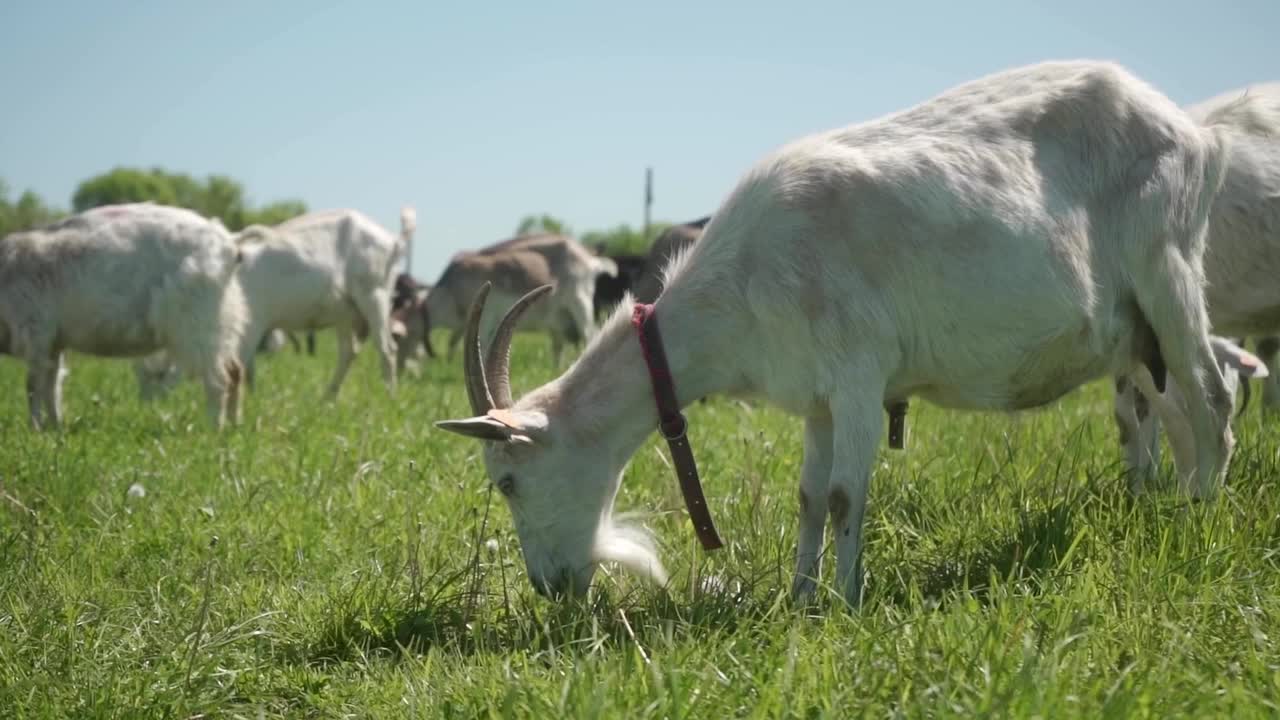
224	198
618	240
213	196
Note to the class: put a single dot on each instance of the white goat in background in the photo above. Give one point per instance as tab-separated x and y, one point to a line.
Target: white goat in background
324	269
992	248
123	281
1241	269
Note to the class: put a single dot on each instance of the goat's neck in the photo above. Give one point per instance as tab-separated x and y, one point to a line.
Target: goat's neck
606	398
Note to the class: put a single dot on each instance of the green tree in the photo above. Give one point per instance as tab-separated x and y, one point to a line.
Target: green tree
275	213
187	191
623	239
543	223
217	196
30	211
223	199
124	185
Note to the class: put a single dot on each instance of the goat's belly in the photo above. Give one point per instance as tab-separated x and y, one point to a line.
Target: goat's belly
110	340
988	396
1022	381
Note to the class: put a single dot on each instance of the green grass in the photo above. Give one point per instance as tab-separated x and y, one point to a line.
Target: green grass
331	562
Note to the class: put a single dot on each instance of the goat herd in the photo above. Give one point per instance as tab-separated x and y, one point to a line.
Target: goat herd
992	248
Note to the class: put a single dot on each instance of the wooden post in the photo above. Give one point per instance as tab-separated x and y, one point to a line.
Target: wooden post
648	199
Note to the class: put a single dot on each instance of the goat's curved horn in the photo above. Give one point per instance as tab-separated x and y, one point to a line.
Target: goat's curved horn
472	361
498	362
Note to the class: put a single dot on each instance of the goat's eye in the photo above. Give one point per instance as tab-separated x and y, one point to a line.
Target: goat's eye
506	485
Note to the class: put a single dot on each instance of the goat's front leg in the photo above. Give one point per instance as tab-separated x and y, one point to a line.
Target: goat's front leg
42	387
857	423
1139	430
375	307
235	385
216	385
815	476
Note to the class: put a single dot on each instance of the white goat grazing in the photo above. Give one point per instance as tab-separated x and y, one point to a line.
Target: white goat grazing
411	329
1241	268
123	281
324	269
992	248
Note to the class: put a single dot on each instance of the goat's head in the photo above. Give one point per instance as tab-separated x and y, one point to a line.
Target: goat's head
559	486
442	304
157	376
1236	364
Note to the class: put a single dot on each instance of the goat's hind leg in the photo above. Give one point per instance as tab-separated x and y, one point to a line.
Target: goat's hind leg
375	307
346	354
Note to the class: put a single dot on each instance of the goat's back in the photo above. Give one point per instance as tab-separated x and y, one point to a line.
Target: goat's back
348	239
1242	262
982	247
110	280
512	273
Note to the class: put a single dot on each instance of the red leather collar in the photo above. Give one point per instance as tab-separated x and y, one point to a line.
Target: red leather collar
672	424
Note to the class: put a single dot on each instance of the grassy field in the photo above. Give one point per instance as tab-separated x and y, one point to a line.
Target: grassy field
334	561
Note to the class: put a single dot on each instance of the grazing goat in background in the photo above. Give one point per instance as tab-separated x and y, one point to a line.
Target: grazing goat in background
1241	270
516	266
123	281
992	248
410	322
324	269
666	246
512	274
611	289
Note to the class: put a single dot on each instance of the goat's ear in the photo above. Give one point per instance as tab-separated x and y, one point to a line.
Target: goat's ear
481	427
1242	361
499	426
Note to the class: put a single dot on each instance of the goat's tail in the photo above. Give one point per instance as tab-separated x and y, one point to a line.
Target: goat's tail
408	223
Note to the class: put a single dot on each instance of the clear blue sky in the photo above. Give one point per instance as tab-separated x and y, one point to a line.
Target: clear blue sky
478	113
